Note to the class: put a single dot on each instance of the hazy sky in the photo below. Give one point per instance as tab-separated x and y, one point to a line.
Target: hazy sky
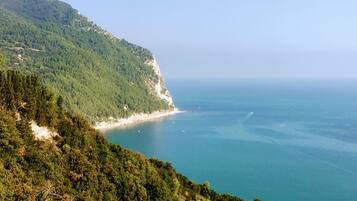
237	38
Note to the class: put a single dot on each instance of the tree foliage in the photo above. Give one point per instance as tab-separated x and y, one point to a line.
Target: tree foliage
78	164
2	61
97	75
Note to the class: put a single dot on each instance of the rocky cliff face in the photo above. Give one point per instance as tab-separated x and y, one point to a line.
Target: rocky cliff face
158	86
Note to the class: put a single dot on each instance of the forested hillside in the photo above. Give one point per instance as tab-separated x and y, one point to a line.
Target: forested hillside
78	163
97	74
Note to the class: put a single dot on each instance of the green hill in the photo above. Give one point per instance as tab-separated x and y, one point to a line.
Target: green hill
76	162
58	70
97	74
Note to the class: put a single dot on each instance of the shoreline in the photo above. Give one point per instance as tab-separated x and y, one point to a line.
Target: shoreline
133	120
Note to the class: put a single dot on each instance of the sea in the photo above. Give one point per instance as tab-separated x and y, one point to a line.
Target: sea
273	139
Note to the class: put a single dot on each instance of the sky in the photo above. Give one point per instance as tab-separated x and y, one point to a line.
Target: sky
237	38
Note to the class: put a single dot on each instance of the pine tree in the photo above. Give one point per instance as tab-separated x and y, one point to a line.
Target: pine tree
51	111
2	87
2	61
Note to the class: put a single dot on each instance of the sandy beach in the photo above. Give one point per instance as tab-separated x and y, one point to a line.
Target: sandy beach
133	120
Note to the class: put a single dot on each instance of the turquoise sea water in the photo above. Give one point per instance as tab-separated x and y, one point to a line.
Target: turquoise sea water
276	140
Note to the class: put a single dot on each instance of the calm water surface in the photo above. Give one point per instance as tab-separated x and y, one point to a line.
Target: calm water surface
276	140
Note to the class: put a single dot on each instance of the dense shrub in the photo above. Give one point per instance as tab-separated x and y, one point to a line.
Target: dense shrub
78	164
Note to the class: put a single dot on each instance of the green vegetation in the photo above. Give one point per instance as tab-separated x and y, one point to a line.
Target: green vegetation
2	61
89	73
78	164
97	74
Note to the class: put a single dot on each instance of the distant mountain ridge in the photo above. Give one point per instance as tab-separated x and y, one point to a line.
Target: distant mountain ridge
99	75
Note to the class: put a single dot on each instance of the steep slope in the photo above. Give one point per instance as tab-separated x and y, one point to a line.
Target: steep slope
76	162
98	75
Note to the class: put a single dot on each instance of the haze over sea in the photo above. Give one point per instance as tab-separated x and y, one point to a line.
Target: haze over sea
279	140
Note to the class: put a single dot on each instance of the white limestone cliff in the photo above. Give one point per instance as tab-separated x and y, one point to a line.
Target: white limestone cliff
159	86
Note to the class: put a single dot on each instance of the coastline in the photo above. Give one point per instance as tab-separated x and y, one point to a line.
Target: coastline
133	120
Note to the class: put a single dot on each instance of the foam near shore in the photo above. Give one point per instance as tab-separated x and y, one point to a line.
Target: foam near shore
133	120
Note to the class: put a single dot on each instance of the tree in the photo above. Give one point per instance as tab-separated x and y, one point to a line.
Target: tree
2	61
51	110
